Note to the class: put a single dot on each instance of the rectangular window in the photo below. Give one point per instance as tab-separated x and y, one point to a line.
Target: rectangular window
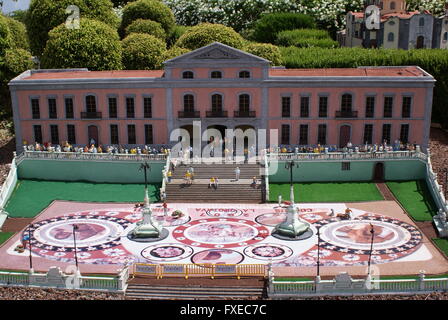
37	133
303	134
322	134
285	134
71	134
52	110
368	133
323	107
147	107
114	134
35	109
148	134
130	110
386	133
388	104
345	166
286	107
406	107
54	132
370	107
69	113
131	134
113	108
304	107
404	133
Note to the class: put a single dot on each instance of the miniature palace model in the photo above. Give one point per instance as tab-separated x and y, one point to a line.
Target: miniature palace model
224	88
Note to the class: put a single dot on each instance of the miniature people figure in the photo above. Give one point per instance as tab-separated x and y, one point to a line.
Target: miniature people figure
254	182
212	182
165	208
216	182
237	173
169	175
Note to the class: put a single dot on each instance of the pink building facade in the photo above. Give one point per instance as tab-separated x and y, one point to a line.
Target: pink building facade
224	88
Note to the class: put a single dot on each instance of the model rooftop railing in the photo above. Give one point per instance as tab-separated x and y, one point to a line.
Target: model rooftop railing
347	156
48	155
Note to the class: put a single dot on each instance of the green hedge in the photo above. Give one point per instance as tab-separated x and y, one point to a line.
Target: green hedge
434	61
267	27
303	38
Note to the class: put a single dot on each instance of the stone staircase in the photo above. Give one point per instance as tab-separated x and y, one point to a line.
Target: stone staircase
228	191
193	292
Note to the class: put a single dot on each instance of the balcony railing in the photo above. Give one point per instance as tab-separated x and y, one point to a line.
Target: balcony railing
216	114
244	114
91	115
189	114
346	114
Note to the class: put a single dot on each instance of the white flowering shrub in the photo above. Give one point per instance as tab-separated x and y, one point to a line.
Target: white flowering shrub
434	6
238	14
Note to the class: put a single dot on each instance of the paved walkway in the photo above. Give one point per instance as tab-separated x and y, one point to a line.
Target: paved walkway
220	181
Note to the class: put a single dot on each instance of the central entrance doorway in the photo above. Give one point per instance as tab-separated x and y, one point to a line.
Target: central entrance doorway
344	135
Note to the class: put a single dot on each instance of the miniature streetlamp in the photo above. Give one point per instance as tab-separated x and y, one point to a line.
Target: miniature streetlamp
318	252
29	245
372	232
75	228
145	166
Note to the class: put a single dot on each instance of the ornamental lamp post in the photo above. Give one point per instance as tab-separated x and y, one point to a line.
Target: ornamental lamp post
290	165
75	228
372	232
318	253
145	166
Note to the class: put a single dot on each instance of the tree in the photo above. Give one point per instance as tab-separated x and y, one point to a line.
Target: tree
146	26
206	33
153	10
19	36
266	51
95	45
5	36
143	52
44	15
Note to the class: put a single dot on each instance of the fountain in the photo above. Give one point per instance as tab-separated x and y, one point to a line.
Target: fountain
293	228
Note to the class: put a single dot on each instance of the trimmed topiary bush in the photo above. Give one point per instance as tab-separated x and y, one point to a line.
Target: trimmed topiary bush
146	26
206	33
267	51
95	45
44	15
153	10
174	52
17	61
266	28
143	52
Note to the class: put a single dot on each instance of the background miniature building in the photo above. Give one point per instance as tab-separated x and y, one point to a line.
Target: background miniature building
398	28
224	88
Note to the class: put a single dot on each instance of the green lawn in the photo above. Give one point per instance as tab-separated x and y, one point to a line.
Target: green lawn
442	244
4	236
30	197
326	192
414	196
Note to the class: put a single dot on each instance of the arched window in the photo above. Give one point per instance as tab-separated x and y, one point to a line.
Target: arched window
392	5
188	103
187	75
90	103
216	102
244	102
421	22
390	36
216	75
244	74
346	102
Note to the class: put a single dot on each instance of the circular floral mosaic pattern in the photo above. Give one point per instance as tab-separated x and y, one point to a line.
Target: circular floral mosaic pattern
167	252
94	232
268	251
220	233
217	256
170	221
354	236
